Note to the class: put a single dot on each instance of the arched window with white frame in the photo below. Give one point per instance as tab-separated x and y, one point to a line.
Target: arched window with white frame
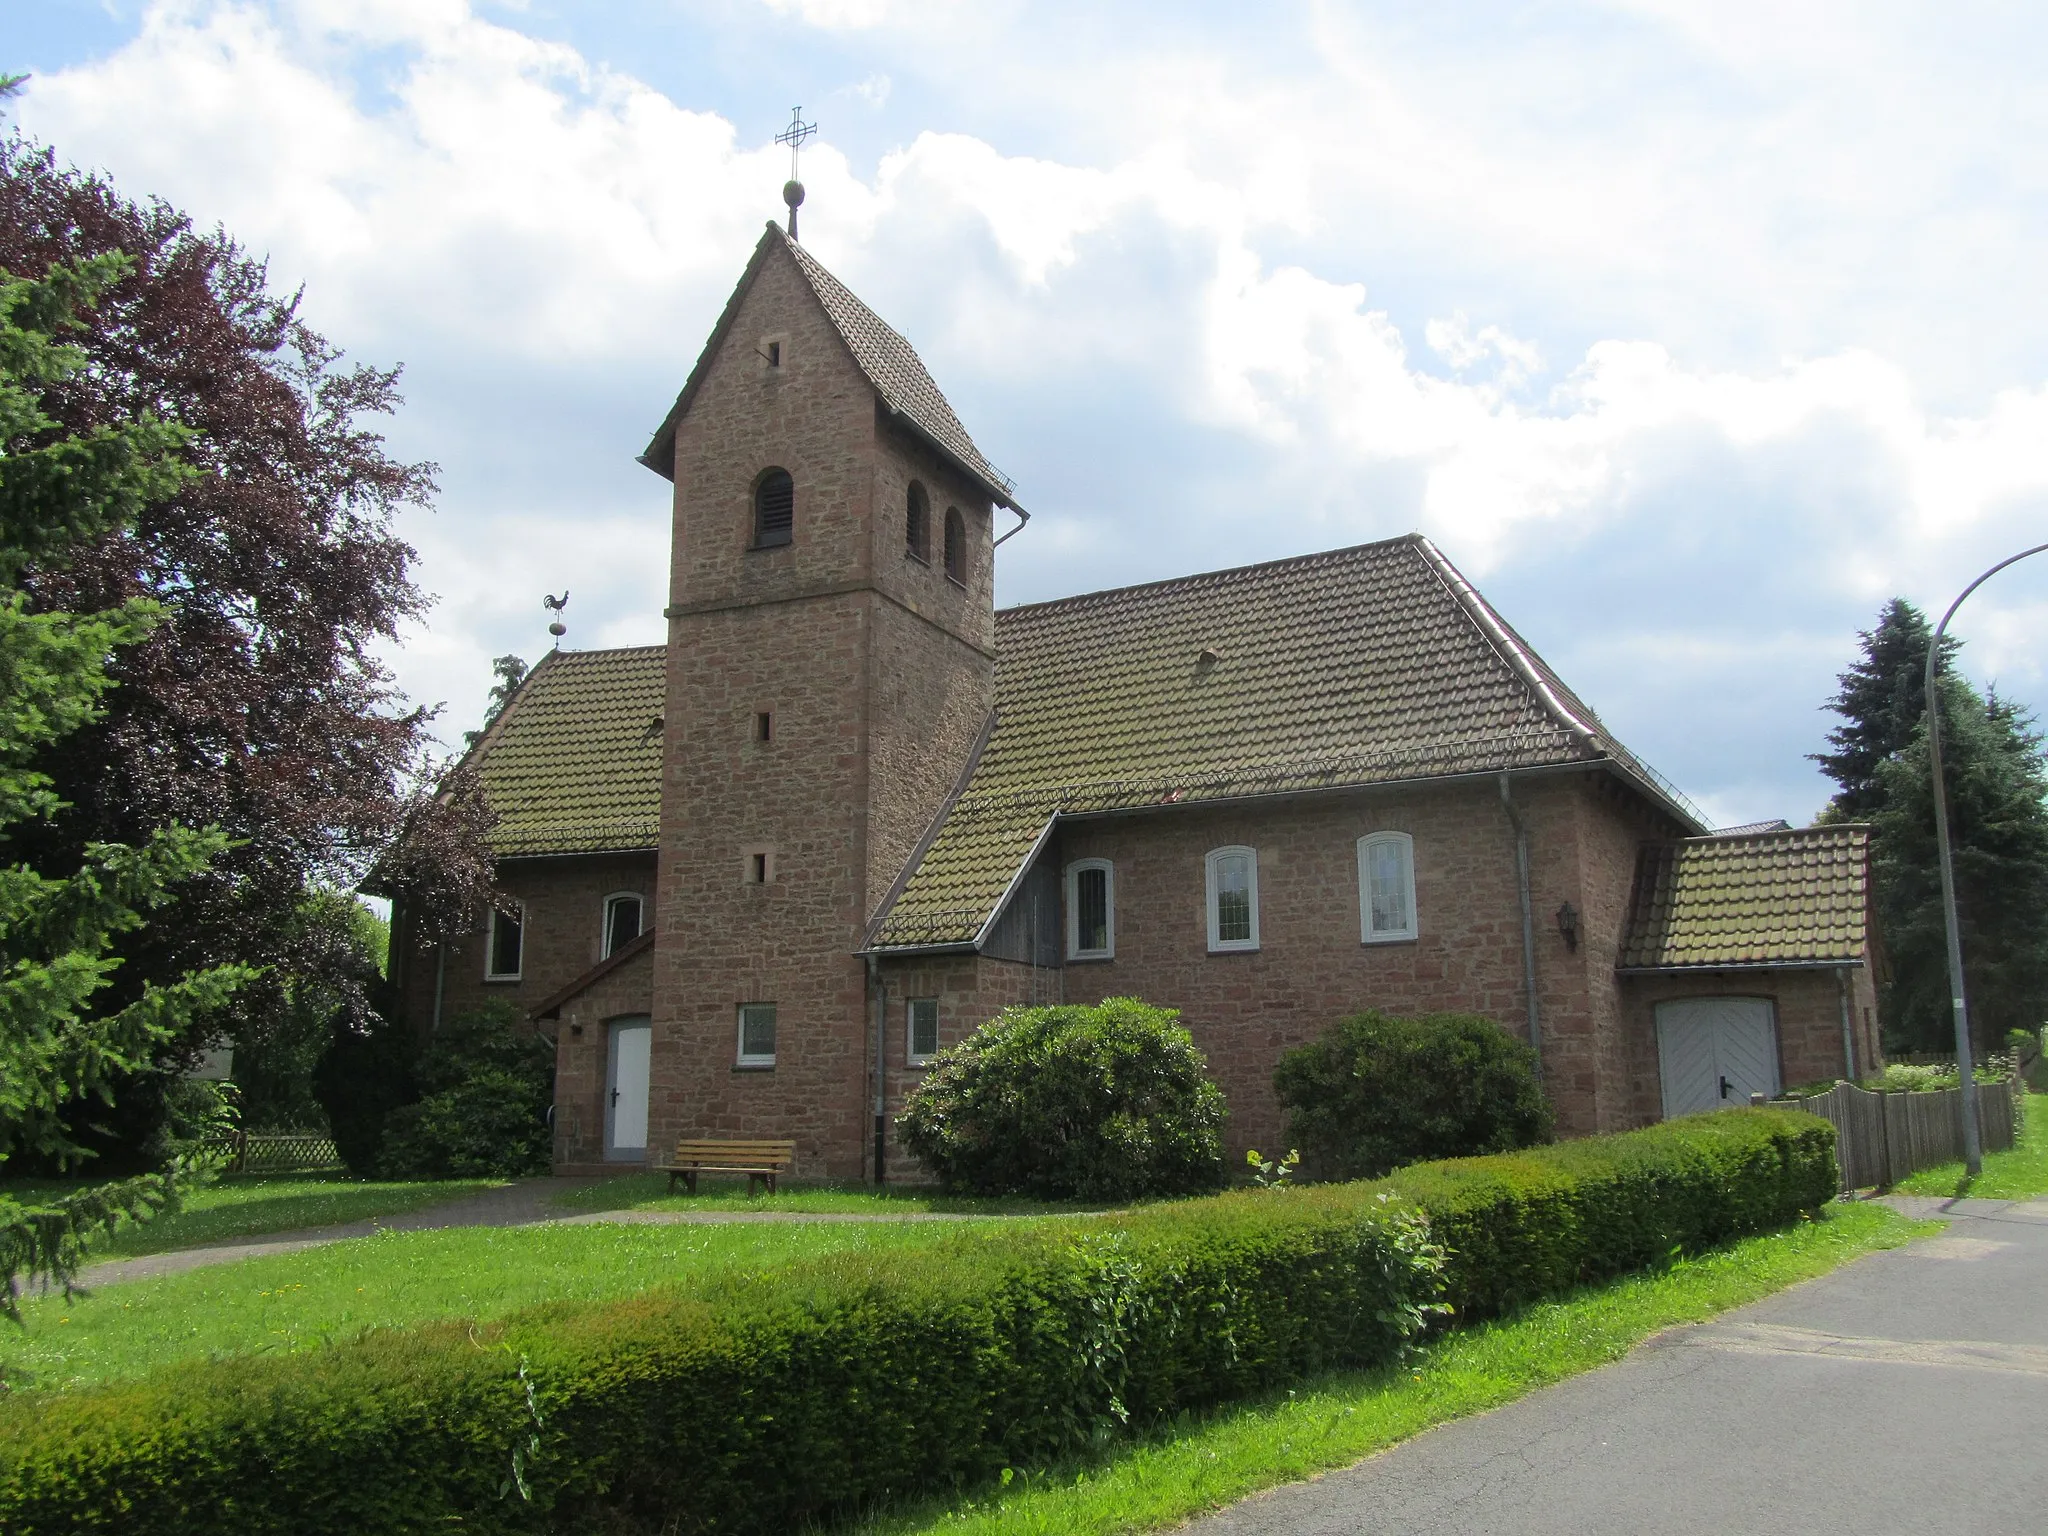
1091	910
1386	888
624	917
1233	880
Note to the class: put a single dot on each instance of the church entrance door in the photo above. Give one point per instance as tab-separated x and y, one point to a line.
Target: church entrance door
626	1084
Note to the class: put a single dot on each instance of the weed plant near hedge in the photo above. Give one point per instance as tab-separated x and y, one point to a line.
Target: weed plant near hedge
770	1398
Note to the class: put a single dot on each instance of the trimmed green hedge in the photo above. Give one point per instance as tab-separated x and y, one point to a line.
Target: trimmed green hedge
1524	1225
778	1395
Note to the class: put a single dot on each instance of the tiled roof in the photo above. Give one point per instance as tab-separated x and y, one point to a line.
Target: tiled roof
1791	897
573	764
897	372
1359	666
891	364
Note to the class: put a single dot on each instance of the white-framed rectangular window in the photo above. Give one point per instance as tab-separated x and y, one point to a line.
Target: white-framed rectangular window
1386	887
622	921
757	1035
1091	910
503	950
921	1029
1233	898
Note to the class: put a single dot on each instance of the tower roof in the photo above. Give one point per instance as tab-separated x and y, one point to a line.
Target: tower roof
901	381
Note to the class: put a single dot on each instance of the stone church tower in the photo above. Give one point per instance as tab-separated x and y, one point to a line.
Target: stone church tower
830	673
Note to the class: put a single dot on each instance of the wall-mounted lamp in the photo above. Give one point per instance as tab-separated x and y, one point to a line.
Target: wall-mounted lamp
1568	925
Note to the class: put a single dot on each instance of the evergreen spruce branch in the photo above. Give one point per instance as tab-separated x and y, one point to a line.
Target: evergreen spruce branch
45	1244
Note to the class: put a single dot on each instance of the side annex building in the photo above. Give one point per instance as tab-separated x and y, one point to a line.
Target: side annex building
752	879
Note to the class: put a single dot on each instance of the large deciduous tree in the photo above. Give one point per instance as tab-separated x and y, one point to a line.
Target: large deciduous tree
65	1037
257	702
1996	781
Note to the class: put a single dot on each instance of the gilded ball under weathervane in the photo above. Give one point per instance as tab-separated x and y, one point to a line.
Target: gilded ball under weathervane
793	193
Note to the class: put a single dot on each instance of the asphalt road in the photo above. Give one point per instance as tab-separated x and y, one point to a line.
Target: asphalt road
1905	1392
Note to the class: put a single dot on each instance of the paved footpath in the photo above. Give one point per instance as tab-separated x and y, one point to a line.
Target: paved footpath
1907	1391
527	1203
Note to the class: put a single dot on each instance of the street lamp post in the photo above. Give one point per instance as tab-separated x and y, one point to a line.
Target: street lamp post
1966	1073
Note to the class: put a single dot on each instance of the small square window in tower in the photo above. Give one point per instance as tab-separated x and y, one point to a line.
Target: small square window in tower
917	525
622	918
757	1035
774	509
956	546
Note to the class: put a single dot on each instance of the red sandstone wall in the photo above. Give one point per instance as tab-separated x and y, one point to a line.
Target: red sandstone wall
877	673
1809	1015
581	1045
563	936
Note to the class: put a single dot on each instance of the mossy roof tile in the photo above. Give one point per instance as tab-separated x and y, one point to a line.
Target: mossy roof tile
1793	896
573	764
1352	667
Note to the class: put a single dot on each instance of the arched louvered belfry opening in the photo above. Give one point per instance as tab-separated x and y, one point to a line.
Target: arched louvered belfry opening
917	524
956	546
774	509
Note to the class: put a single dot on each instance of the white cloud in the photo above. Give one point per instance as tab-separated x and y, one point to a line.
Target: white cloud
547	240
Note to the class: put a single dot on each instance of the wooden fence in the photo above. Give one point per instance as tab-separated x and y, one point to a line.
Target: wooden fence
278	1152
1880	1138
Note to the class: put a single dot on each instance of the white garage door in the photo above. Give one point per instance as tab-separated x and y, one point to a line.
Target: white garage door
1714	1052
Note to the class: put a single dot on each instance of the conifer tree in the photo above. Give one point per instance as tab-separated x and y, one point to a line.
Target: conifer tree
1993	770
59	491
1996	779
1882	702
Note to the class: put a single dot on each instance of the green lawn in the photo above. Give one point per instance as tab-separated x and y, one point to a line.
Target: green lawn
649	1192
1205	1463
305	1299
2021	1174
253	1205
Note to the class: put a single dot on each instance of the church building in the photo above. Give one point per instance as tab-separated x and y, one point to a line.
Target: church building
754	879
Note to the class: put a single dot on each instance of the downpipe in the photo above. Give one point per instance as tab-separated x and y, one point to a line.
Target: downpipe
1507	800
881	1010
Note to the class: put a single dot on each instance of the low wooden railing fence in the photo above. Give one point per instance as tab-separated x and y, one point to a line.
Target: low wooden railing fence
278	1152
1880	1138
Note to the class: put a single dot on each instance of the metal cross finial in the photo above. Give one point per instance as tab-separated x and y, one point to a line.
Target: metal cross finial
795	136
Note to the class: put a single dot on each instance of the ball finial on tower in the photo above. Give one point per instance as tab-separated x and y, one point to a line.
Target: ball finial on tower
794	136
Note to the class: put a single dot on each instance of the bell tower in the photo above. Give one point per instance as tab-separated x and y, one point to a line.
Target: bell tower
830	673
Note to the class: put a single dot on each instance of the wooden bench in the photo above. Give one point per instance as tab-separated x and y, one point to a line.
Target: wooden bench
758	1160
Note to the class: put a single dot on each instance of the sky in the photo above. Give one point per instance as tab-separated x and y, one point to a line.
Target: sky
1691	333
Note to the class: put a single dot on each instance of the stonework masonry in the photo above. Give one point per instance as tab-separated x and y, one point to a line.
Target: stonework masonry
824	698
561	938
875	672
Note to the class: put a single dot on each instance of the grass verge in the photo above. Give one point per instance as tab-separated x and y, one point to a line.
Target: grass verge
2021	1174
649	1192
259	1205
1204	1463
323	1295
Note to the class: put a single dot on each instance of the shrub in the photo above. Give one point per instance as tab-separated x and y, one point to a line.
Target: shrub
363	1076
1108	1102
771	1398
486	1083
1524	1225
763	1401
1377	1092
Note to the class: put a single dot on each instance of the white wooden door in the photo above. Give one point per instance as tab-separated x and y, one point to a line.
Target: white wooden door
625	1109
1714	1052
